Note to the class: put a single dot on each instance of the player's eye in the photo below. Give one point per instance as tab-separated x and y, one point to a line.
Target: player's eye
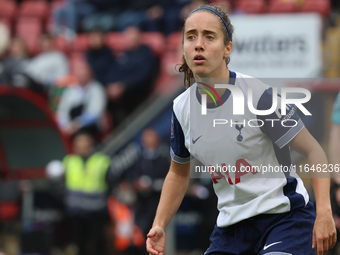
190	37
209	37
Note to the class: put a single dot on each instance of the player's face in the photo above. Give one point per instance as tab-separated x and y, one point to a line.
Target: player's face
203	45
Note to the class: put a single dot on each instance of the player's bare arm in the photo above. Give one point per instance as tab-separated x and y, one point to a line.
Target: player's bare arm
324	233
174	188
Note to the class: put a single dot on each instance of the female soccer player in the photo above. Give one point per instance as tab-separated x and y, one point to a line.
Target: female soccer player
256	215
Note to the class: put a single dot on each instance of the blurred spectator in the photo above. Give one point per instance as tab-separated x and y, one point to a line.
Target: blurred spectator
140	189
89	14
334	158
99	56
190	7
172	9
49	64
226	5
67	17
105	17
88	183
152	15
4	38
148	177
82	105
164	16
335	5
15	64
131	79
136	15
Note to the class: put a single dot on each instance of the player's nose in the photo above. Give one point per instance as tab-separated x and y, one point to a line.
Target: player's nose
199	43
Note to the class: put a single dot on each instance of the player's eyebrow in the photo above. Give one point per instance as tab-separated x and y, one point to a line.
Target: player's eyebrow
194	31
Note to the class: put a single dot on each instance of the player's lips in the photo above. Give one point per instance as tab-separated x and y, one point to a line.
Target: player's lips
199	59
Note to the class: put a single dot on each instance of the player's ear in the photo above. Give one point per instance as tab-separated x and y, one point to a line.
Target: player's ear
227	50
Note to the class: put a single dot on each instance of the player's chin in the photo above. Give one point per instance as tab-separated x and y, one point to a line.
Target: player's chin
200	70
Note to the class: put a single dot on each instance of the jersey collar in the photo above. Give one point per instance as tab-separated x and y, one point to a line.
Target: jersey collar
226	94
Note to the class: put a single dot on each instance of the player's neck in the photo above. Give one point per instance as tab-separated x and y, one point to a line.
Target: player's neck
211	80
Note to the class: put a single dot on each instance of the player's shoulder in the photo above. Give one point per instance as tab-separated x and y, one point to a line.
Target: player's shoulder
181	103
250	81
184	95
258	87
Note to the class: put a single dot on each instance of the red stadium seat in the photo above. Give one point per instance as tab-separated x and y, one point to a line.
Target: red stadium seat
29	28
8	9
155	41
251	6
81	43
173	41
34	8
319	6
8	210
283	6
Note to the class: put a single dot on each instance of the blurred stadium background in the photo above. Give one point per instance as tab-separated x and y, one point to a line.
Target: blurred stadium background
280	41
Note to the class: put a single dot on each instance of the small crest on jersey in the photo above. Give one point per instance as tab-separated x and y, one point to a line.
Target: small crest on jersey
239	138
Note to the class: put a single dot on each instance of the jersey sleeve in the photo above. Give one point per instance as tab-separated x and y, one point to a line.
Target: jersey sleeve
335	117
179	153
281	129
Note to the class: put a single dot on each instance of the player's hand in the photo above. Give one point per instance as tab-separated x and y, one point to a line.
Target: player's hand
156	240
324	233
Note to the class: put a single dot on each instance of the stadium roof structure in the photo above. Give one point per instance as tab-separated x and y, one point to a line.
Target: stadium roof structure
29	137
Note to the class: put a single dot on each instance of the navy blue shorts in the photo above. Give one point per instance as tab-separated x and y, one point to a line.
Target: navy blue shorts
271	234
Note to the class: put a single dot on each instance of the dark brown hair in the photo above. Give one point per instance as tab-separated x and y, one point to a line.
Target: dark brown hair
184	68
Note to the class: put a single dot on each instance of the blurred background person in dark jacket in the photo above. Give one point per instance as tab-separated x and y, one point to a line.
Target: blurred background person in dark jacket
131	78
148	177
99	56
15	64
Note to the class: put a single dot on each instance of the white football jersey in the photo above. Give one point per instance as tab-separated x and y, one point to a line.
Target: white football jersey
237	143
